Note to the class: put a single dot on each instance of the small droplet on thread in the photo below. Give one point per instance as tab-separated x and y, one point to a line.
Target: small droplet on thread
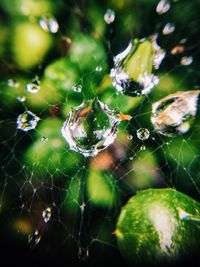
143	134
12	83
27	121
46	215
98	68
168	28
129	137
186	61
109	16
21	98
44	139
162	7
34	239
49	24
77	88
34	86
143	147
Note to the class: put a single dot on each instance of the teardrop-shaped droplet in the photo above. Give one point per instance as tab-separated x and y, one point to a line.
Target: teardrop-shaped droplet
90	127
143	134
169	28
109	16
162	7
132	71
173	114
34	86
27	121
49	24
46	214
34	239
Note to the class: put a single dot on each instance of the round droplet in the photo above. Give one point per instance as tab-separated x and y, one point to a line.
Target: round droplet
49	24
143	147
77	88
99	68
129	137
169	28
21	98
173	114
44	139
27	121
90	127
162	7
46	214
34	86
185	61
13	83
143	134
109	16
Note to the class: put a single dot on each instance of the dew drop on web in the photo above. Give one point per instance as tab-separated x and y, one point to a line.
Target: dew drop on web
77	88
49	24
99	68
109	16
12	83
34	239
44	139
162	7
34	86
21	98
168	28
143	134
90	127
27	121
132	73
186	61
173	114
46	215
83	254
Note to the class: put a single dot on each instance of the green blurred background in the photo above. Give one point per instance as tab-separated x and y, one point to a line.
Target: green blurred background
37	168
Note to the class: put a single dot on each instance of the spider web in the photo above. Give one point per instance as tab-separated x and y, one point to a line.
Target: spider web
58	206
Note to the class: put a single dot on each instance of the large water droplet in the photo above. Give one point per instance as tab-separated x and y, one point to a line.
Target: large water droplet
27	121
49	24
169	28
132	71
173	114
90	127
46	214
109	16
34	239
162	7
34	86
143	134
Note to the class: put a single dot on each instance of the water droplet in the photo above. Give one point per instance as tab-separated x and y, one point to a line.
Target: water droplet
13	83
186	61
34	86
143	147
90	127
169	28
132	71
143	134
162	7
46	214
77	88
21	98
131	158
109	16
99	68
49	24
83	254
129	137
173	114
27	121
34	239
44	139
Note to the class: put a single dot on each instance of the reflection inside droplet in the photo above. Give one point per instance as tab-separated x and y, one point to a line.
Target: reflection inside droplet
27	121
90	127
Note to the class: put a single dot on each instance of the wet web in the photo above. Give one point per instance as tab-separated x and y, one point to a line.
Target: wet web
53	195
